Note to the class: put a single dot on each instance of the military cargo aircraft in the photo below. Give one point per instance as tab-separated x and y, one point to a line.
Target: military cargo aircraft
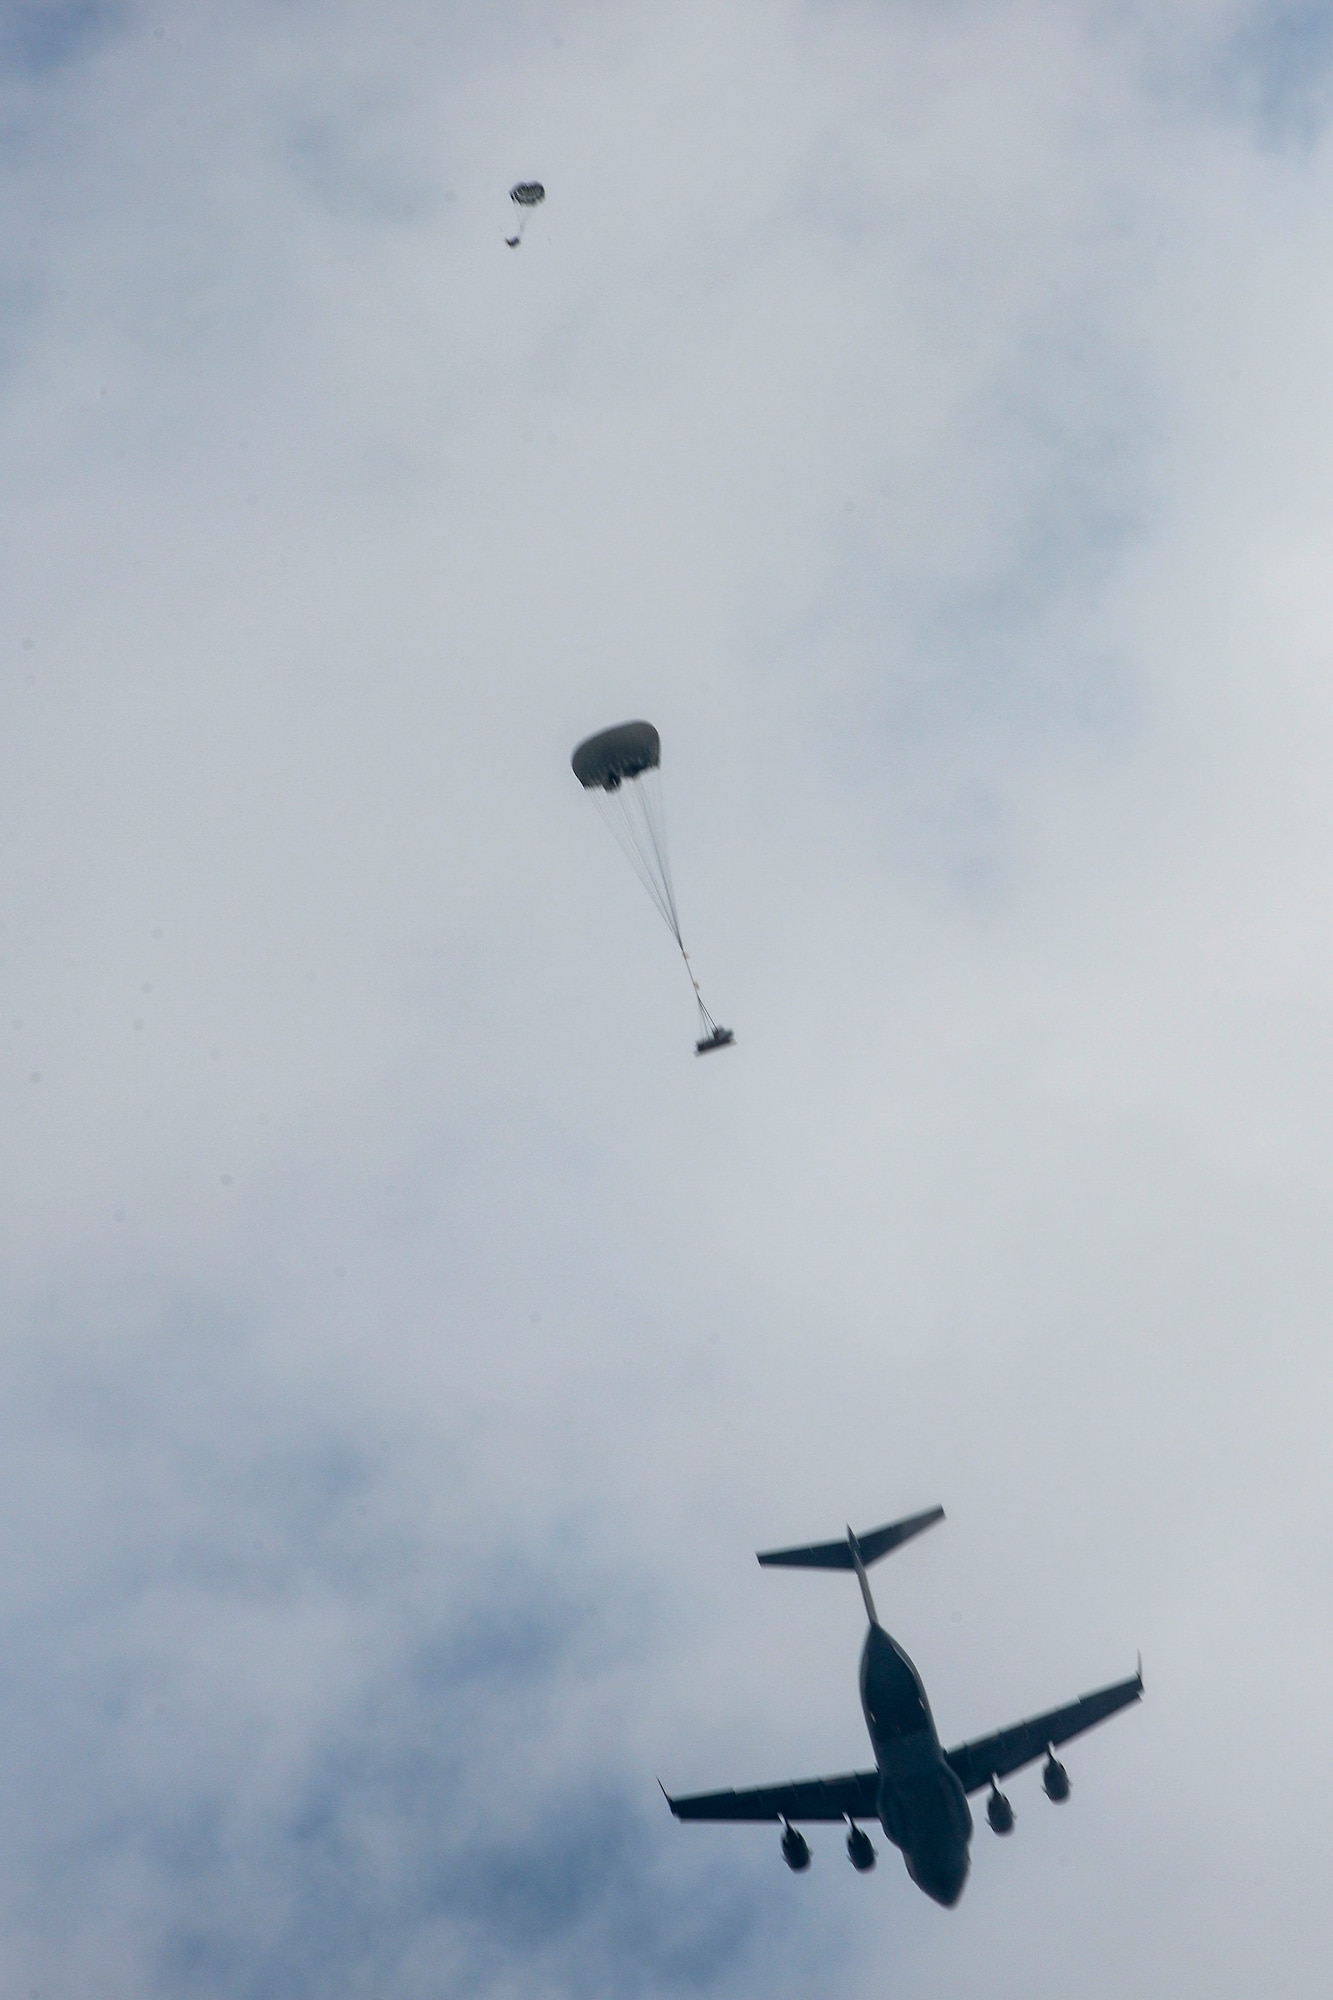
917	1790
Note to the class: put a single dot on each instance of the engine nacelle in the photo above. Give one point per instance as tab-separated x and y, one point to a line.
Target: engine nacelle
999	1811
795	1848
860	1850
1055	1780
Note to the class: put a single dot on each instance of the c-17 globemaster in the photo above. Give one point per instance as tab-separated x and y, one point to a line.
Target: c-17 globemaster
917	1790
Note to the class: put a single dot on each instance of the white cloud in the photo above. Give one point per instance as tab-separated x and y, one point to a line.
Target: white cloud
920	413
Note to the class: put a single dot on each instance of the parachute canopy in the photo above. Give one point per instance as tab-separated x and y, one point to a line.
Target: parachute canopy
622	769
527	193
605	760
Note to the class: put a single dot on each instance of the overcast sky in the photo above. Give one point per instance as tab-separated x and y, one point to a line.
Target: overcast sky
923	412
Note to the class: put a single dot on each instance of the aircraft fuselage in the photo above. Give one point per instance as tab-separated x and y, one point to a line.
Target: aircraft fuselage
923	1808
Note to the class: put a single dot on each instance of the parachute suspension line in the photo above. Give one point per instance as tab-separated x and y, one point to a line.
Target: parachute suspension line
709	1024
633	812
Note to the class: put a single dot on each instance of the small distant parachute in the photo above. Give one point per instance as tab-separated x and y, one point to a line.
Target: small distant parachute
527	195
622	769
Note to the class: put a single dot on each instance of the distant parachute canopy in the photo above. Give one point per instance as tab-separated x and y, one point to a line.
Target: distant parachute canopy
526	195
622	769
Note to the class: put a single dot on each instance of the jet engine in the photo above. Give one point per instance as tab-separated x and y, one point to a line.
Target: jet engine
860	1850
795	1848
1055	1779
999	1811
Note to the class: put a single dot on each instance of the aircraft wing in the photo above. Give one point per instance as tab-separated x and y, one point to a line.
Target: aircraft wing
995	1756
855	1796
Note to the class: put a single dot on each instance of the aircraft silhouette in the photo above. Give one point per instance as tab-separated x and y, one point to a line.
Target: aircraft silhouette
917	1791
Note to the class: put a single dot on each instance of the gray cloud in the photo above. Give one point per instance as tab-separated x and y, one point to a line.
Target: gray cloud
259	1740
1278	64
38	37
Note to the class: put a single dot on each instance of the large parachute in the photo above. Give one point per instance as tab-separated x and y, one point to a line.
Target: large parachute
622	769
526	195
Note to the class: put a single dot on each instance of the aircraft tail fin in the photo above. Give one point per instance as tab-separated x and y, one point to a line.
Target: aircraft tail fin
854	1551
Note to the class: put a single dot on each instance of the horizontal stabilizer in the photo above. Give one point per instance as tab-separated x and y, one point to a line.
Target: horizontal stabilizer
838	1555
